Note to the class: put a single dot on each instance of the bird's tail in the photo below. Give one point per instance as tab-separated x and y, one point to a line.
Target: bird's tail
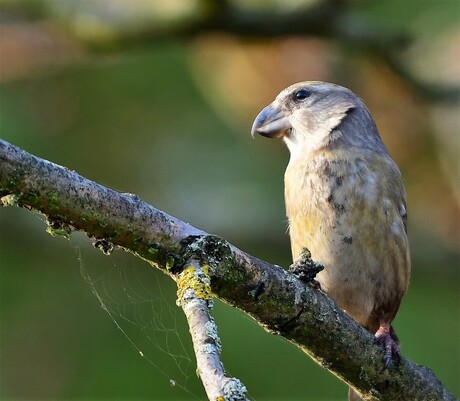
353	395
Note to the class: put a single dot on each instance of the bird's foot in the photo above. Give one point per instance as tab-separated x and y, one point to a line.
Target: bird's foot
316	284
305	269
386	336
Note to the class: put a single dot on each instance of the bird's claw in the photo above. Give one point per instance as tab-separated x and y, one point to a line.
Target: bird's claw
316	284
388	339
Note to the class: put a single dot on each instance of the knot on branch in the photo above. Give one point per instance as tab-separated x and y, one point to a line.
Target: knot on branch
305	269
106	247
10	200
56	227
208	250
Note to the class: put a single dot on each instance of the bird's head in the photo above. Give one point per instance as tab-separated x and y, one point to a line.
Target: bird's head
312	115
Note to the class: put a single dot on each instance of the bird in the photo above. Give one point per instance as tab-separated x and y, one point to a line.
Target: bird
345	201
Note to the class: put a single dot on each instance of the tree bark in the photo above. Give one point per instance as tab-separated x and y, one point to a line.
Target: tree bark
195	298
276	299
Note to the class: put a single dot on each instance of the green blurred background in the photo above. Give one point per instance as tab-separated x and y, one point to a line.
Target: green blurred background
157	98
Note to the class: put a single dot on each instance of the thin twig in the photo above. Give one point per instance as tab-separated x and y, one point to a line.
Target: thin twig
195	298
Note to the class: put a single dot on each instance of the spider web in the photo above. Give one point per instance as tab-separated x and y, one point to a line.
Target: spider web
140	300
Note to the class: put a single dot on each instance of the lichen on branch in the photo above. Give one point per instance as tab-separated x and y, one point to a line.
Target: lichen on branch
195	298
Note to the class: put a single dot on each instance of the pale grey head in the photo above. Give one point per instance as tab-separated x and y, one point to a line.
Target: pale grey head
312	115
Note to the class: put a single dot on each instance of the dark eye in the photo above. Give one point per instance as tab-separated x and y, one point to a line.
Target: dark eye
301	94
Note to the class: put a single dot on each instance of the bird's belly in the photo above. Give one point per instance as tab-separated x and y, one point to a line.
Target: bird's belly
343	277
361	258
347	215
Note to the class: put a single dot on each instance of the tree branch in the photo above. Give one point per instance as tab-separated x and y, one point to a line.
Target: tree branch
195	298
276	299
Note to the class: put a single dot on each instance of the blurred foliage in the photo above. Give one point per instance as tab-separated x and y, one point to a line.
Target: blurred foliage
167	116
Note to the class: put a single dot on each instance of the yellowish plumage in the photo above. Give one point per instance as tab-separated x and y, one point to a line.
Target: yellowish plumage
348	216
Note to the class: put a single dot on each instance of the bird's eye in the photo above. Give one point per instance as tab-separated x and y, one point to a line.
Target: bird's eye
301	94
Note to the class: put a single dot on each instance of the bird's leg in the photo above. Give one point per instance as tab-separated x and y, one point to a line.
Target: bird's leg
305	269
386	336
